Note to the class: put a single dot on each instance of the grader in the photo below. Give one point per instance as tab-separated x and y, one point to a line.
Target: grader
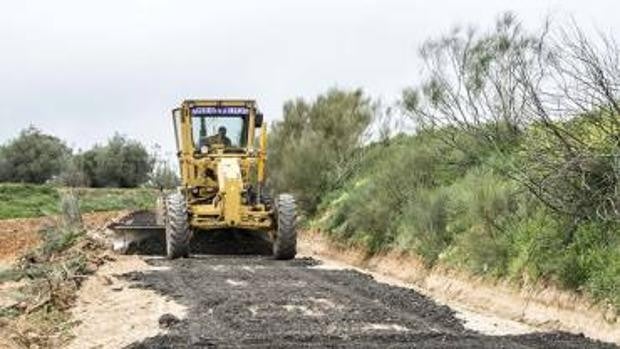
222	171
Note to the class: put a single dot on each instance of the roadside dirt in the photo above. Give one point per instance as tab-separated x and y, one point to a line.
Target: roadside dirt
17	236
224	300
111	313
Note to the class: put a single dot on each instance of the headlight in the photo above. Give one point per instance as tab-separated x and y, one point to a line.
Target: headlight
204	149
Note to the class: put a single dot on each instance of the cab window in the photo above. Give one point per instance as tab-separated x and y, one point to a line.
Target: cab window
228	131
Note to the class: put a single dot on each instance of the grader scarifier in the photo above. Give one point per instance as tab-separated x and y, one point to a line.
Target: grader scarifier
222	172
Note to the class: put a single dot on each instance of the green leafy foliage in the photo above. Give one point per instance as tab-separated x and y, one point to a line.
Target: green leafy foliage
120	163
164	177
310	150
32	157
577	175
419	195
36	157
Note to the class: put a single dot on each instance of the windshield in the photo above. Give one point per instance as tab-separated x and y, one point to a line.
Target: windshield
219	125
228	131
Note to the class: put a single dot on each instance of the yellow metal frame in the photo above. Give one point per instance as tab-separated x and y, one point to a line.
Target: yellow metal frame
227	209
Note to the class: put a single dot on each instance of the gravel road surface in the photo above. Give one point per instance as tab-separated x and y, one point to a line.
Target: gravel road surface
251	300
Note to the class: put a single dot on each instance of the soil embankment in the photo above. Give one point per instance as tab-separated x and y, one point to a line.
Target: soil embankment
17	236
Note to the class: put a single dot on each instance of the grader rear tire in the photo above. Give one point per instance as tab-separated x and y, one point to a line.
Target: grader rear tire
285	242
178	233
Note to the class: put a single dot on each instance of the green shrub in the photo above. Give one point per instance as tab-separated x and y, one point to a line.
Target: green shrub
314	149
533	231
372	208
32	157
484	204
164	177
423	225
120	163
604	281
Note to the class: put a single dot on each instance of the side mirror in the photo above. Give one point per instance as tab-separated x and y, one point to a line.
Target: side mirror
258	122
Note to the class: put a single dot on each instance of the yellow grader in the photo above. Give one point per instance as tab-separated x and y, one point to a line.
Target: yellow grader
222	169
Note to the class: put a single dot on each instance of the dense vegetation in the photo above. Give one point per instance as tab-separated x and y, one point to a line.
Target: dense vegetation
29	200
120	163
496	179
36	157
312	149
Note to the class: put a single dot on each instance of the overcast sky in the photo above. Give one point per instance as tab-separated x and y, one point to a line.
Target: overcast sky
84	69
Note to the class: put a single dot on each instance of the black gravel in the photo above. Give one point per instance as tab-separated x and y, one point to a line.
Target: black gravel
241	301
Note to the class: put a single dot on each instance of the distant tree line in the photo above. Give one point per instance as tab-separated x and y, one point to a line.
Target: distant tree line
36	157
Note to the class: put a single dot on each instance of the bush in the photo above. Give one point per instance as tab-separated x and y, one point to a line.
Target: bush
120	163
72	176
577	257
424	225
579	180
314	148
164	177
604	281
32	157
389	176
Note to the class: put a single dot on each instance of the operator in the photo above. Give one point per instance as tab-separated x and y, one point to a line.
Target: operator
220	138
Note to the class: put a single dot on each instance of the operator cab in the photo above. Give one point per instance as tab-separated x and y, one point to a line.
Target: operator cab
219	128
211	133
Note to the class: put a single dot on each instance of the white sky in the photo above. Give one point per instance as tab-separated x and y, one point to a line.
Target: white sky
84	69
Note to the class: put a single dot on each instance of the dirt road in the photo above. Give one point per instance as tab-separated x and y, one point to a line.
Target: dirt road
254	301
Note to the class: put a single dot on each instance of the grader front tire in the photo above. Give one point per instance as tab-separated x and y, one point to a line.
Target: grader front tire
178	233
285	242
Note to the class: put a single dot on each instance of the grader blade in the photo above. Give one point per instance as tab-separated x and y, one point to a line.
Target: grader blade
134	228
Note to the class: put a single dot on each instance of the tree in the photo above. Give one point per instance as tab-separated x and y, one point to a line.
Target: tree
33	157
4	166
473	86
316	145
72	175
120	163
551	94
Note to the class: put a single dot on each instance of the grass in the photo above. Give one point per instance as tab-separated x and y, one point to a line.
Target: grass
28	200
93	200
